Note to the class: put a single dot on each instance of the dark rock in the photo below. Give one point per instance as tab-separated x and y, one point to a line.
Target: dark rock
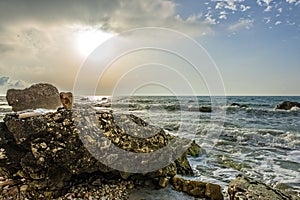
245	188
197	188
48	153
66	100
239	105
205	109
194	150
40	95
287	105
200	109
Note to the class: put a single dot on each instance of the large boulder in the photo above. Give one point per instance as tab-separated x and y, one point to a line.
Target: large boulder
287	105
41	95
243	188
46	152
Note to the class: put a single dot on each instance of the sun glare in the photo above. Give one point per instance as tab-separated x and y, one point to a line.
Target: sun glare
89	39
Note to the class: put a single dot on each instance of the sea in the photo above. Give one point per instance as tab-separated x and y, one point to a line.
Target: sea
237	134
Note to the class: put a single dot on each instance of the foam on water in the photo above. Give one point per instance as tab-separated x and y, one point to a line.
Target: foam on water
255	140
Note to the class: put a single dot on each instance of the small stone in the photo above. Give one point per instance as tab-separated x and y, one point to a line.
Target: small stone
42	159
23	188
43	145
97	182
66	100
163	182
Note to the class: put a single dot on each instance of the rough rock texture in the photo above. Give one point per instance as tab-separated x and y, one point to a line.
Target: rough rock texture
42	95
197	188
46	154
245	188
287	105
66	100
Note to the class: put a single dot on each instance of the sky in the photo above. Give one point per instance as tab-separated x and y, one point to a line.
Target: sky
253	45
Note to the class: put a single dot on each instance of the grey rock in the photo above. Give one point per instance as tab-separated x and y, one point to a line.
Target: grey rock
243	188
42	95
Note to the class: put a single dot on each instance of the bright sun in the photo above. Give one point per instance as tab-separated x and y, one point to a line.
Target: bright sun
89	39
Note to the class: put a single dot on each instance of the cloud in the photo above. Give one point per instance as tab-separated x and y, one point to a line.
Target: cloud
244	7
38	38
109	15
3	80
7	83
278	22
223	17
296	2
241	24
5	48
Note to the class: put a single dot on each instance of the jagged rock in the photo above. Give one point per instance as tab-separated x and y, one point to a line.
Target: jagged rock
287	105
197	188
66	100
48	153
243	188
42	95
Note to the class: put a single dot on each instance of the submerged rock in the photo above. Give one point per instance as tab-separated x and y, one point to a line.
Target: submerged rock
42	95
287	105
207	109
239	105
47	152
245	188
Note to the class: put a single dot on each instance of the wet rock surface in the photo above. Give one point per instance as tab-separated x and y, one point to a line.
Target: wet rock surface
243	188
287	105
239	105
44	156
42	95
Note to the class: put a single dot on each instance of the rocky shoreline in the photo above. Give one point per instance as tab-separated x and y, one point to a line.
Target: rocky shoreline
71	153
44	157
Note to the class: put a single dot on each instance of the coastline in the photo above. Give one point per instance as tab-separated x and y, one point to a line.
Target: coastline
237	166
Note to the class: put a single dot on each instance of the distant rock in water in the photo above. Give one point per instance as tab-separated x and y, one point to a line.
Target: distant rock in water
238	105
41	95
245	188
287	105
200	109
